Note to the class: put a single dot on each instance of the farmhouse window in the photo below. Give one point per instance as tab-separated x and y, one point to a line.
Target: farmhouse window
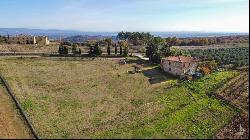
169	69
169	63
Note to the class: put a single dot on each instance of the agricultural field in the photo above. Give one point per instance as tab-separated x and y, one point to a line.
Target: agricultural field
214	46
99	99
11	124
236	92
236	54
225	56
51	48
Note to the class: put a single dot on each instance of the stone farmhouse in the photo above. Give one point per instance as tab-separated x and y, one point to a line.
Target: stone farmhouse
179	65
28	39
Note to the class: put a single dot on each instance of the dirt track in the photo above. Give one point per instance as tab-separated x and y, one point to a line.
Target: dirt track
11	124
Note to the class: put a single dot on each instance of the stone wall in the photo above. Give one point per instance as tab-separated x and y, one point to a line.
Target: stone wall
42	40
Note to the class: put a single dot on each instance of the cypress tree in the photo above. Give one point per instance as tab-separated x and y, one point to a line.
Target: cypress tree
115	49
120	49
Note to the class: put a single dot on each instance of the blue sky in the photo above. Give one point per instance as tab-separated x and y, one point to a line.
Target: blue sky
127	15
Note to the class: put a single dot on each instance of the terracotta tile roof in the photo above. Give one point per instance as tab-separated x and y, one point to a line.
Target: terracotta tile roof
182	59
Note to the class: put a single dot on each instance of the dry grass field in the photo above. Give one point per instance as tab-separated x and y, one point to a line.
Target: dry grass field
51	48
99	99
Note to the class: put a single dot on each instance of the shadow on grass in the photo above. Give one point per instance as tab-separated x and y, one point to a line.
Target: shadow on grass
156	75
143	63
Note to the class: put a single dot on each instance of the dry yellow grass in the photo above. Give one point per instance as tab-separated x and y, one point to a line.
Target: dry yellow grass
99	99
51	48
66	98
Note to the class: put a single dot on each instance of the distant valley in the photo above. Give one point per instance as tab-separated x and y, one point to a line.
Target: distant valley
80	36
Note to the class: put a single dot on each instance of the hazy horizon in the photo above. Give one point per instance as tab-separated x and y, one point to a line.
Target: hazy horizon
176	31
130	15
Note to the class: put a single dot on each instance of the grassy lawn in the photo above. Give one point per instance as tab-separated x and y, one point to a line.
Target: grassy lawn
99	99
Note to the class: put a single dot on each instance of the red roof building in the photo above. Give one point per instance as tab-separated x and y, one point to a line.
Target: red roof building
179	65
181	59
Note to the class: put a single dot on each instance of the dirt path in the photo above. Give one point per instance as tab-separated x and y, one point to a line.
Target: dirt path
11	124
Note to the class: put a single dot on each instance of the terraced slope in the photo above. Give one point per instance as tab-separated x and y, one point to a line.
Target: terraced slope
236	92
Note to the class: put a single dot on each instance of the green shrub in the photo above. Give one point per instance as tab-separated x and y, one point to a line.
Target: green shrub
63	49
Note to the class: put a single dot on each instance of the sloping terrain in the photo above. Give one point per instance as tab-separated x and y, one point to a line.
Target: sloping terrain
236	92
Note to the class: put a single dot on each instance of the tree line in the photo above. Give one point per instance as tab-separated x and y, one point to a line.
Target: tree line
203	41
95	47
137	38
155	47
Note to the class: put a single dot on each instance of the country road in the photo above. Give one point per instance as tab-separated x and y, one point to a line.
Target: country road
140	56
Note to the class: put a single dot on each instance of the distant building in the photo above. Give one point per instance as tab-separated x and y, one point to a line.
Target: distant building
28	39
43	40
179	65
